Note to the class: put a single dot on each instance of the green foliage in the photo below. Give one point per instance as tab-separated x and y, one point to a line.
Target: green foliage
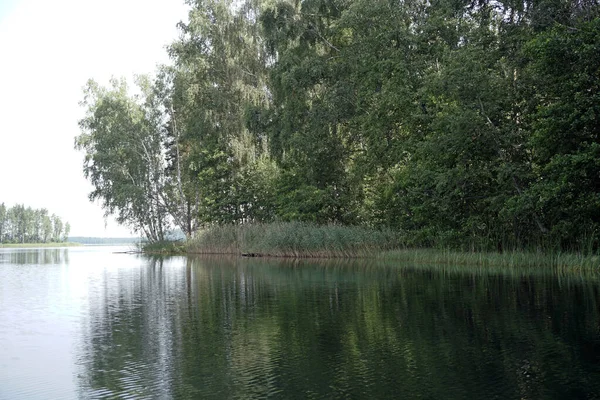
219	76
26	225
565	67
122	143
470	125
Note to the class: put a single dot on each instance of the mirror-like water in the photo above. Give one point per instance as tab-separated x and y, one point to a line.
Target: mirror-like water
89	323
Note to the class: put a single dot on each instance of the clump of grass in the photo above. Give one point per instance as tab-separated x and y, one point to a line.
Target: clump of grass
293	239
509	259
170	247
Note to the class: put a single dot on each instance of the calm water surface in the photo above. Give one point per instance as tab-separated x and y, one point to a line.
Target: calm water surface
86	323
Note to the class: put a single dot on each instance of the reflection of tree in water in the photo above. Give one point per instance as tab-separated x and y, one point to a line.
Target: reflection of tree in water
250	328
37	256
128	343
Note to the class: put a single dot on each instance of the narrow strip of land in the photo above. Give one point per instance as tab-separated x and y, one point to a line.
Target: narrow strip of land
37	245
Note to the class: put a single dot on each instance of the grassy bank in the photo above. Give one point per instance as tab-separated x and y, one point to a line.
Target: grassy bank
37	245
293	239
509	259
303	240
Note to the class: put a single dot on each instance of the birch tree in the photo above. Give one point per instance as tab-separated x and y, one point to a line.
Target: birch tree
122	143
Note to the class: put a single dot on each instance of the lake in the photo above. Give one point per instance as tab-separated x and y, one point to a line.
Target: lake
90	323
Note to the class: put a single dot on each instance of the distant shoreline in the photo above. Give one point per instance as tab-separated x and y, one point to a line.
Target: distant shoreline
102	241
36	245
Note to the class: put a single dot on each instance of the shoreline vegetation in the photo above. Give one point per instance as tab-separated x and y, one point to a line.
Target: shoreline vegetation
471	126
306	240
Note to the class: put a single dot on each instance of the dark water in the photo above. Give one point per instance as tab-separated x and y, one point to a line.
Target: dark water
87	323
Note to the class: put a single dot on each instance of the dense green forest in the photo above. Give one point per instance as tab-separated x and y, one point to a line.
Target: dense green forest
26	225
461	123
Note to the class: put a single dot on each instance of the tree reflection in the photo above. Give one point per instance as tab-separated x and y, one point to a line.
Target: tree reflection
227	328
36	256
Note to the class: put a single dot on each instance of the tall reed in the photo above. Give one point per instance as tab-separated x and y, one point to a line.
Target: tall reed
509	259
303	240
293	239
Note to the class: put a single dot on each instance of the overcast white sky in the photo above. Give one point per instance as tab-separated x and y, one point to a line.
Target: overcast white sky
48	50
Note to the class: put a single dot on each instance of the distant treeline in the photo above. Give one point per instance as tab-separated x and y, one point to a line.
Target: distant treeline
102	241
457	123
20	224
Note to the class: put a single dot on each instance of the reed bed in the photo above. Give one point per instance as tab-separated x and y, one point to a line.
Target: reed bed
509	259
293	239
306	240
166	247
